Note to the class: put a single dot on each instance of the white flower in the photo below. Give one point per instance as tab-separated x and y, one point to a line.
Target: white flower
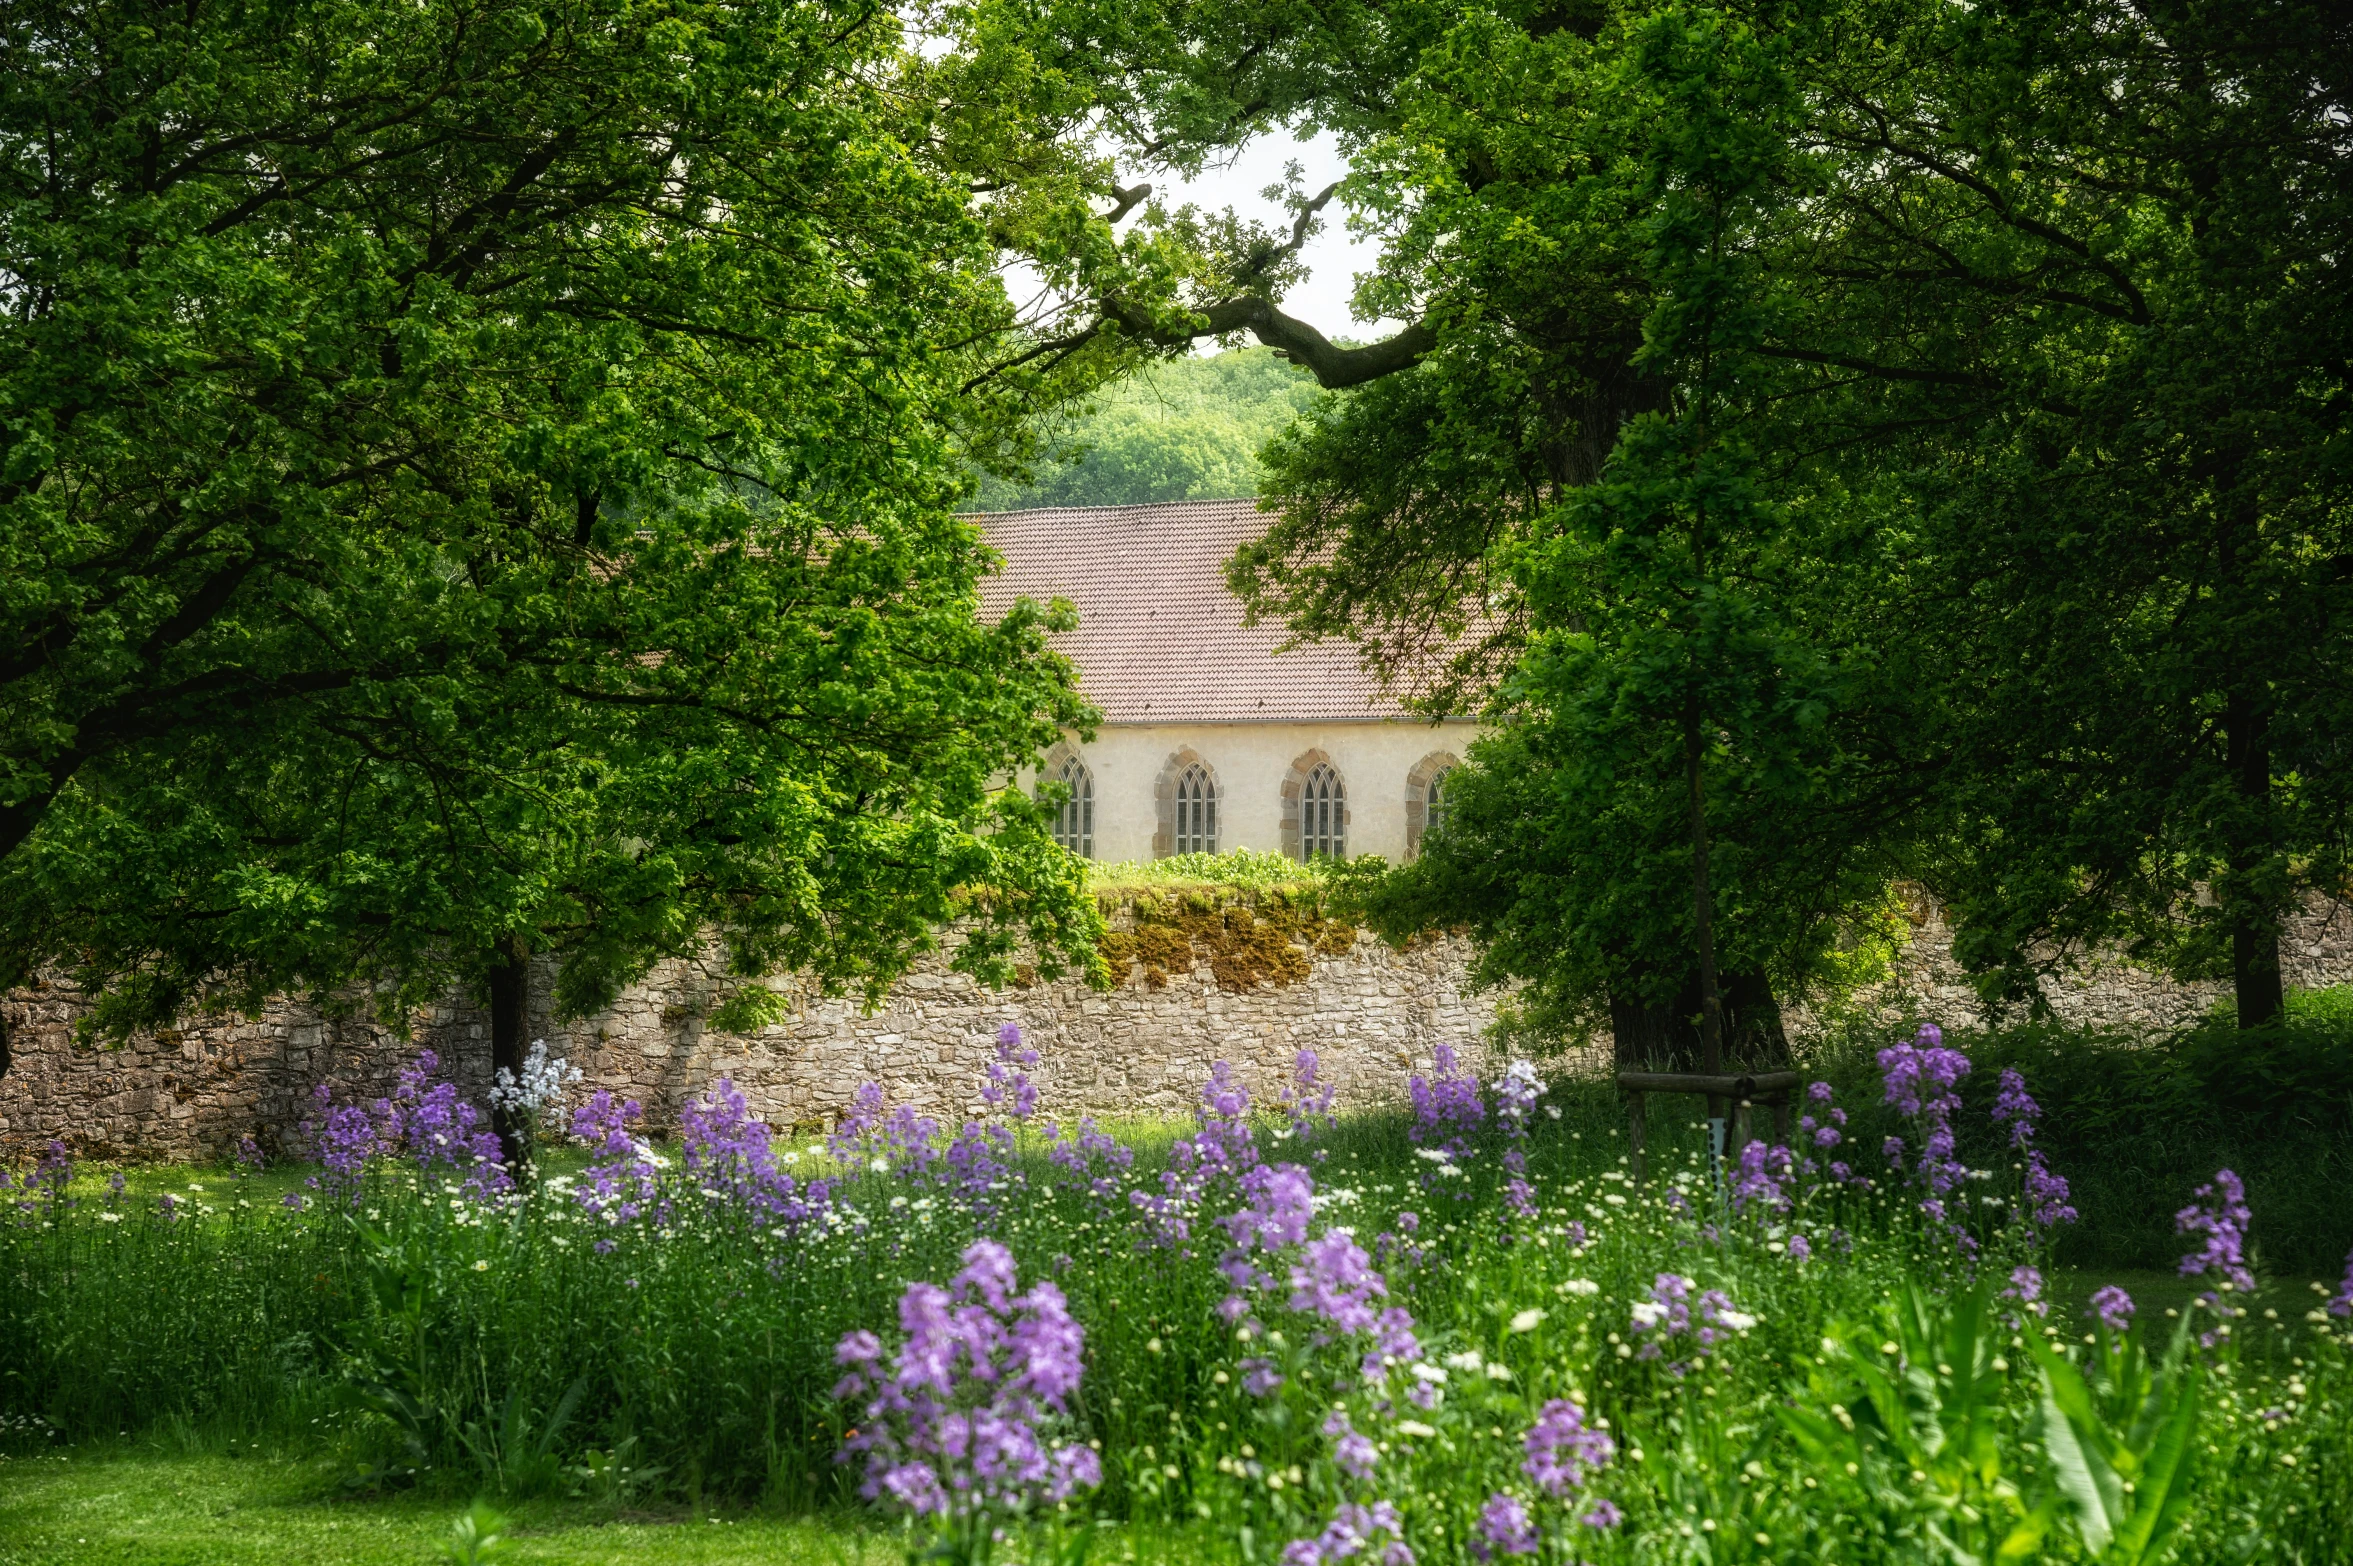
1614	1199
481	1266
880	1165
1499	1372
1737	1320
1468	1359
1434	1374
1552	1110
1414	1427
1649	1313
1583	1288
1431	1153
1526	1320
110	1217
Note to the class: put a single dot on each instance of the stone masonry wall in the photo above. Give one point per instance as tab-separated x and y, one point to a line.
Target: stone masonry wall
2316	951
1368	1011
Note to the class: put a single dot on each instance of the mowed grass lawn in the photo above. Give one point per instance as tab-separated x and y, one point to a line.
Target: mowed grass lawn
146	1508
132	1508
139	1505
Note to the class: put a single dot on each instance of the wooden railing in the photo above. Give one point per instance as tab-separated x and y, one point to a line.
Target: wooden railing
1775	1088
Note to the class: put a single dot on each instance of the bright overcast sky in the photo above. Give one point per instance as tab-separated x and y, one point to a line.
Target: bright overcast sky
1333	257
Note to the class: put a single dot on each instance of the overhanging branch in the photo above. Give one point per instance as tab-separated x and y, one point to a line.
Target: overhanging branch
1333	366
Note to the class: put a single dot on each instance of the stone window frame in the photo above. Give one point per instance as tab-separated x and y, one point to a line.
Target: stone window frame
1164	792
1425	772
1295	790
1054	767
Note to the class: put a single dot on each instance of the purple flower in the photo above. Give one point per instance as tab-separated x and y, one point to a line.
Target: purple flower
1561	1448
1354	1530
2026	1287
1355	1453
438	1130
1800	1248
2013	1106
1009	1086
1334	1280
1394	1342
2045	1193
1760	1177
1307	1097
1089	1162
1259	1376
2113	1306
2342	1304
618	1185
2220	1216
1446	1105
727	1153
960	1418
52	1173
1504	1528
1218	1153
1920	1077
248	1154
1667	1316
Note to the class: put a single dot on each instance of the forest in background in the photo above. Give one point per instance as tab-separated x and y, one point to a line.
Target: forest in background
1183	429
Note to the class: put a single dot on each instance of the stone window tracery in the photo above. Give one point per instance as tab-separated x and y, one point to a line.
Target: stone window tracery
1323	815
1196	811
1074	821
1429	793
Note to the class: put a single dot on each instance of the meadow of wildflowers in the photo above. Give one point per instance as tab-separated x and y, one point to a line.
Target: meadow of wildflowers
1457	1333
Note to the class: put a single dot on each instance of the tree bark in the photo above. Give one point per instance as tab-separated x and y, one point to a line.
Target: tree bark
1703	912
510	1017
2254	934
1668	1038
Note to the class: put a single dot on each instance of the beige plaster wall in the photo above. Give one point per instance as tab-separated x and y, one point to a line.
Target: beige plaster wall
1251	761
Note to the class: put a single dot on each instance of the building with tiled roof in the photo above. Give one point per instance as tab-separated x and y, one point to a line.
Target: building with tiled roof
1211	739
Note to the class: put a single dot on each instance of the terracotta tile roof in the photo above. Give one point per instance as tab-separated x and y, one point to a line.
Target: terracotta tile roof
1159	639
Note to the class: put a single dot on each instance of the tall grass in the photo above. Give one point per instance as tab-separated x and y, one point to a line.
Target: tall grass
432	1339
2139	1120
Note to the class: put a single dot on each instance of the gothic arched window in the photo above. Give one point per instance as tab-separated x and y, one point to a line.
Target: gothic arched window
1323	814
1434	803
1196	811
1074	823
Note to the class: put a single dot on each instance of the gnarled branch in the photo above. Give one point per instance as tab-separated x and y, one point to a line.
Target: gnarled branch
1333	366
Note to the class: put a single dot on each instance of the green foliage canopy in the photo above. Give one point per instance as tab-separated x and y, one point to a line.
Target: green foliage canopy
2005	343
478	478
1187	428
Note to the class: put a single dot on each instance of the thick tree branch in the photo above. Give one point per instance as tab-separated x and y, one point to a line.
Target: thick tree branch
1334	367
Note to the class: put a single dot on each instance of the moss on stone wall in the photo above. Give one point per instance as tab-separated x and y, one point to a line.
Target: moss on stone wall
1247	937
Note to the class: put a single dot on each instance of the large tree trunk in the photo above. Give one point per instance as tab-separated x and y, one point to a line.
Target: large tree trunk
1669	1038
2254	932
510	1017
